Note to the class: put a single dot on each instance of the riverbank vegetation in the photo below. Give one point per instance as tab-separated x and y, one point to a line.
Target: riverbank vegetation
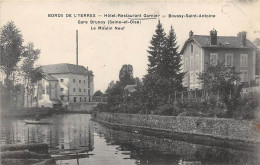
161	92
17	67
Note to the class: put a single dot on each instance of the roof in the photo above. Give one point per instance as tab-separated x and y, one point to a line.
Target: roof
130	88
65	68
223	42
55	101
49	77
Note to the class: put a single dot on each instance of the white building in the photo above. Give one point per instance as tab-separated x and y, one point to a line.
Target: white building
64	84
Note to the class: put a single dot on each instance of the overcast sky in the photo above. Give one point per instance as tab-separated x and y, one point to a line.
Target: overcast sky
104	52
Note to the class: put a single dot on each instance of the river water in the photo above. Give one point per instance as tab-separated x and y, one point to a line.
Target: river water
99	145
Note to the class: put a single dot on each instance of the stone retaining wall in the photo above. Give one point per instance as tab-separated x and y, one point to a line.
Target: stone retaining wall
217	127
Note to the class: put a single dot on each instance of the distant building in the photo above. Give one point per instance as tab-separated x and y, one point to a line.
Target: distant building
235	51
63	84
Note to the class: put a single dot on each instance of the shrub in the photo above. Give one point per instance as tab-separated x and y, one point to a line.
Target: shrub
247	108
170	109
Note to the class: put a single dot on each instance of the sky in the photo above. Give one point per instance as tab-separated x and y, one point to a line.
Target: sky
105	51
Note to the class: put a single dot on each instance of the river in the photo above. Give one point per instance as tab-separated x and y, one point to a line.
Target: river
100	145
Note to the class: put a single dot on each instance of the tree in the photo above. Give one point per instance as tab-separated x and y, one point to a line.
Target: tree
224	82
164	70
98	93
30	73
156	51
10	51
172	62
126	75
115	91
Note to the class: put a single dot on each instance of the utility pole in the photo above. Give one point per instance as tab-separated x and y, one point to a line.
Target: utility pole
77	58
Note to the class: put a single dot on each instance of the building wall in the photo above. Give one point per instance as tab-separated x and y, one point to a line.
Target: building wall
46	90
192	70
190	78
74	86
236	59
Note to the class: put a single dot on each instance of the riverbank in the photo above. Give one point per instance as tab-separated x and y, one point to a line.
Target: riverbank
23	112
221	132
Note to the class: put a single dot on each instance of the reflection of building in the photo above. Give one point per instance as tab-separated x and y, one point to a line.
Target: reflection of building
64	84
234	51
67	131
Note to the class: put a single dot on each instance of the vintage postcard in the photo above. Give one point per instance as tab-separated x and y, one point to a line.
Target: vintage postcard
122	82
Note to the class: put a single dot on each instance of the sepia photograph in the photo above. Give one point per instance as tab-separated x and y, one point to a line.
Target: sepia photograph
130	82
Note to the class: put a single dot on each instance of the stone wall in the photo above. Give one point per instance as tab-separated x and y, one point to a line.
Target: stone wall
82	107
216	127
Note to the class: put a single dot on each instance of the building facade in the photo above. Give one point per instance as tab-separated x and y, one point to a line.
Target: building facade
64	84
234	51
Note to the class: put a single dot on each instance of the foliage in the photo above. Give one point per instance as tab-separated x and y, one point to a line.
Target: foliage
31	74
126	75
115	91
98	93
248	107
164	69
223	81
10	54
156	51
10	47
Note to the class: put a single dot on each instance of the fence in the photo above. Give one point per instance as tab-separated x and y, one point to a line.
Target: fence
203	94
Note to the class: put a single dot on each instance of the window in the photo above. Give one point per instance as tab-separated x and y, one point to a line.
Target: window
43	91
61	80
61	89
75	99
196	62
89	92
186	63
243	60
74	90
79	90
80	81
213	58
74	80
229	59
243	75
84	81
85	99
79	99
191	78
196	77
84	90
191	48
191	62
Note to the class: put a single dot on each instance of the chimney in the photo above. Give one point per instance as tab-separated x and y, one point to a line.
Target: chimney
242	37
77	59
213	37
191	34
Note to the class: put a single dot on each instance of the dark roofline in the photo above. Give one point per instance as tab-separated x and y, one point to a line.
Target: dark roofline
87	71
214	46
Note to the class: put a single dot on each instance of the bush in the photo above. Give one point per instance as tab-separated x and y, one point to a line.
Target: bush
248	108
169	109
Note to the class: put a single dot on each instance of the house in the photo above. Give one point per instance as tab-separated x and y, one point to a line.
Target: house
235	51
64	84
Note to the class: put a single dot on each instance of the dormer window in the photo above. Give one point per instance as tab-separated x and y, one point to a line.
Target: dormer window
191	48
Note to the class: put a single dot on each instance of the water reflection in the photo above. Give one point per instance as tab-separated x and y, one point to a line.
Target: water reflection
66	132
102	145
155	150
